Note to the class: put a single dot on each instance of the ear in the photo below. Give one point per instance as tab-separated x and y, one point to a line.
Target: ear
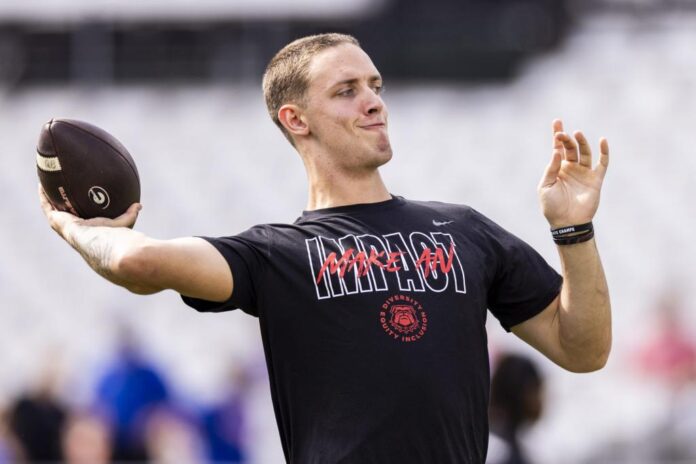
291	117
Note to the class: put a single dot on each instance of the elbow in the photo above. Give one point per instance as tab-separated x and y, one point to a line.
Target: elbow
136	270
140	289
589	361
586	367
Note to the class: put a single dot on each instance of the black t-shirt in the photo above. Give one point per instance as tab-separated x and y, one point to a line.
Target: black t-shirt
373	323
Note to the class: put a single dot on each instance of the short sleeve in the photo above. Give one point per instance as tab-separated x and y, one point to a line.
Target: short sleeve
523	283
246	254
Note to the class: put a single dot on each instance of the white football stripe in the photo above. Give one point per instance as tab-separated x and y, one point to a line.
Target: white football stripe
47	163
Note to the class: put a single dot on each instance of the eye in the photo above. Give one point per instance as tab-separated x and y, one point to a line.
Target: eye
378	88
345	92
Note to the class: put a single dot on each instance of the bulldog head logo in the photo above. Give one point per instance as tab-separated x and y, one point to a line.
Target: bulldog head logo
403	318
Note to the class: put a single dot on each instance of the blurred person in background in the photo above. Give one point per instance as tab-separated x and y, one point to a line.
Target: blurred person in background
37	419
130	390
669	352
223	423
10	449
372	307
516	401
172	437
86	440
668	356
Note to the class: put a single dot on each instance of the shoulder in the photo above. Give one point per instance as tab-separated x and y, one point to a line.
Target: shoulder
255	239
254	235
463	214
264	238
264	235
470	222
461	210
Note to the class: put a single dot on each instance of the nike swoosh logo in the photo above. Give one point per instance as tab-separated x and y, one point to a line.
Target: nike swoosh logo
443	223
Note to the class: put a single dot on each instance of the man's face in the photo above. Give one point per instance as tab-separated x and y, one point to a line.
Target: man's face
346	116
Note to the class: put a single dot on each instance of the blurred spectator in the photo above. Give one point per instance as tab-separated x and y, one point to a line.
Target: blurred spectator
669	356
86	440
9	448
669	353
37	418
516	401
173	438
129	392
223	423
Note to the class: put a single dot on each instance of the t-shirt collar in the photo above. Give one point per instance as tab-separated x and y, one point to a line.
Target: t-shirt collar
355	208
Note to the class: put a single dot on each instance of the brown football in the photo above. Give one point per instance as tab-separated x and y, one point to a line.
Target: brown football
84	170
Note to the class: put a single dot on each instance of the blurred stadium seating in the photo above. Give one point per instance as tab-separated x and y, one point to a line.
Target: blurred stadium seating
164	41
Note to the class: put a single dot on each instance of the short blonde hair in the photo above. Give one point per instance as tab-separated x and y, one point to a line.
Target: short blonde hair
287	75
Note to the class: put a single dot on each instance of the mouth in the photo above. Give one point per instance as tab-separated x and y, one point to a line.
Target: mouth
376	126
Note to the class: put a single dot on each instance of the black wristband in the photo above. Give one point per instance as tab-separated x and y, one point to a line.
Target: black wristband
571	230
570	235
574	239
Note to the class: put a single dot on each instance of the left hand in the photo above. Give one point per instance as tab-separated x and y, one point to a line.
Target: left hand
570	187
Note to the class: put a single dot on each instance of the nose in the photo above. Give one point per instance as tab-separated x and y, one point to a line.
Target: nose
373	103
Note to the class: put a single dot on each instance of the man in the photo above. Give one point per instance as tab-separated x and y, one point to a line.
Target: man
372	307
516	402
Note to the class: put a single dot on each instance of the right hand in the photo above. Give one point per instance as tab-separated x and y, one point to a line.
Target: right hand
62	221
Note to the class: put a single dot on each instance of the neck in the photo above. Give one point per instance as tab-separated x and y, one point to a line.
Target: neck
327	190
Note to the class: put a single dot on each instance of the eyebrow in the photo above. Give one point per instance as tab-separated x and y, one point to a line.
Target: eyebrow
351	81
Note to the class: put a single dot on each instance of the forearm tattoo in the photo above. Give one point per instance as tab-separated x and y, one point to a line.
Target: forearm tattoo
97	249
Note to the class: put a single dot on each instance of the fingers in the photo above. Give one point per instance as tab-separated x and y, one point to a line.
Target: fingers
570	149
127	219
557	126
577	149
46	205
603	156
51	213
552	170
584	148
59	220
56	219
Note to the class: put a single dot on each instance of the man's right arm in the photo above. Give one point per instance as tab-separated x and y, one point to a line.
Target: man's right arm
190	266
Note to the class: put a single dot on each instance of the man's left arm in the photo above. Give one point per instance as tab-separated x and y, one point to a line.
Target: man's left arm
574	331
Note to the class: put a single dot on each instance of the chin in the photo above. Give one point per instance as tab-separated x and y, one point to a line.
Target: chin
387	156
382	157
386	151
